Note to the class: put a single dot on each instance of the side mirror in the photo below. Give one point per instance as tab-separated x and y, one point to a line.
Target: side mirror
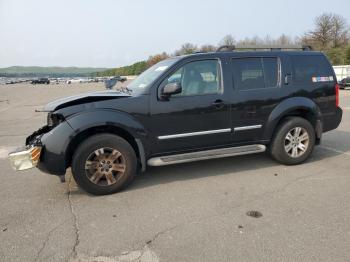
171	89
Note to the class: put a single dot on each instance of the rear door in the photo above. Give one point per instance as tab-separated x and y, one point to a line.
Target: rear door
257	88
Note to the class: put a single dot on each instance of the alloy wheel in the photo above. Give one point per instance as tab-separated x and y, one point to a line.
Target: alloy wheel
105	166
296	142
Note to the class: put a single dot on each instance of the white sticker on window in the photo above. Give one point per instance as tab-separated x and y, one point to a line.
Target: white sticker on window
161	68
317	79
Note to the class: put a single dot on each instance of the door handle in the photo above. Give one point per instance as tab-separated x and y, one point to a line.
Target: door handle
218	104
287	79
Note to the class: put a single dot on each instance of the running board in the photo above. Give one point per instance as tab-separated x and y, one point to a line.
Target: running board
207	154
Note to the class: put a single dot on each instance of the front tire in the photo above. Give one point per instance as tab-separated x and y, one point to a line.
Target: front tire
104	164
293	141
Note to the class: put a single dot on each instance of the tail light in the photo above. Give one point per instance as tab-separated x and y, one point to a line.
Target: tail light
337	95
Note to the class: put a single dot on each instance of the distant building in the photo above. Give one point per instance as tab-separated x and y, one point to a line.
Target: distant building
342	71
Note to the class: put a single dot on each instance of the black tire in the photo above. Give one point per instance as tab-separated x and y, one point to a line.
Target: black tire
91	145
277	146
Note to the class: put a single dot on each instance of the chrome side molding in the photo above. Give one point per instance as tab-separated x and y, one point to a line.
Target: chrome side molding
209	132
207	154
200	133
242	128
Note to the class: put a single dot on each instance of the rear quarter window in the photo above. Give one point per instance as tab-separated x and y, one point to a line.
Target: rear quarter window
311	69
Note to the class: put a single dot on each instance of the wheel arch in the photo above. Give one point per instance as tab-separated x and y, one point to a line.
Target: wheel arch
96	121
296	106
135	143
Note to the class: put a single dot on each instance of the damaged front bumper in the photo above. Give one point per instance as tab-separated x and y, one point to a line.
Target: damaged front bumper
29	156
25	158
53	143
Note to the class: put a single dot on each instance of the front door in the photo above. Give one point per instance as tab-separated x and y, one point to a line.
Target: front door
198	117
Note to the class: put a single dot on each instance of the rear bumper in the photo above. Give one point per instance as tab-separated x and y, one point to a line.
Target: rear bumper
332	121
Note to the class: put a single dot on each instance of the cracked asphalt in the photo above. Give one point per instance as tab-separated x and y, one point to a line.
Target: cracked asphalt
188	212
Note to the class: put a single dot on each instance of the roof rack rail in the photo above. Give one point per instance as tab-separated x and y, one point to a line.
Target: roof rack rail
225	48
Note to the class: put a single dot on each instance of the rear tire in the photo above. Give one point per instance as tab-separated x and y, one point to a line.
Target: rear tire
104	164
293	141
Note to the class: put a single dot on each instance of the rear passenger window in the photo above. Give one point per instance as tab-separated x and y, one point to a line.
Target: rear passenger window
255	73
311	69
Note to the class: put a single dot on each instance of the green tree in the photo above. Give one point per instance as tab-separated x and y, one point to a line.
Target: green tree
336	55
347	55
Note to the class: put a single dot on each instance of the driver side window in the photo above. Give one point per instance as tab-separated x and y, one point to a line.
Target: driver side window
198	78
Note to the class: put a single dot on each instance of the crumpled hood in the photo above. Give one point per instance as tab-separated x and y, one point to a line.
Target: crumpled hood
83	98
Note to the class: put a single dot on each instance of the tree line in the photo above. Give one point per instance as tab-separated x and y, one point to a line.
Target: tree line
331	35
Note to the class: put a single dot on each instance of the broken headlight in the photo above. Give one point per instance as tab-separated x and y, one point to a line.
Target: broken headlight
54	119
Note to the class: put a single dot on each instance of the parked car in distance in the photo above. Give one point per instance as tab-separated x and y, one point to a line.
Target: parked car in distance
110	83
54	81
41	80
189	108
344	83
74	81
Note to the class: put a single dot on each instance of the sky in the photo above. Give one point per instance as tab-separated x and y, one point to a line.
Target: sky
111	33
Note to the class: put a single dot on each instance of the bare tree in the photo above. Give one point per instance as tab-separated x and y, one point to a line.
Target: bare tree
256	40
268	40
227	40
331	31
186	49
321	36
284	40
207	48
340	31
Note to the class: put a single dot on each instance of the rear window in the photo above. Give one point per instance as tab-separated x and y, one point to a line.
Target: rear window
255	73
311	69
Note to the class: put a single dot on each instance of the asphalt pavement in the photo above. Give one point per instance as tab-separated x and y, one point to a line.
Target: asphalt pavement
186	212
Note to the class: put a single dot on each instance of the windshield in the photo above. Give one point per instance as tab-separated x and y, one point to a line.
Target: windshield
143	81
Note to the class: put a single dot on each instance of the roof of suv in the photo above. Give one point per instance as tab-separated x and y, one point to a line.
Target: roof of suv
250	53
256	50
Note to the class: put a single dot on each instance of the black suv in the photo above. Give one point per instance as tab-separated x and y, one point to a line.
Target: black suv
188	108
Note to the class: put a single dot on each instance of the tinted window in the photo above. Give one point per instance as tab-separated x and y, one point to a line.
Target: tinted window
198	78
271	71
307	68
255	73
